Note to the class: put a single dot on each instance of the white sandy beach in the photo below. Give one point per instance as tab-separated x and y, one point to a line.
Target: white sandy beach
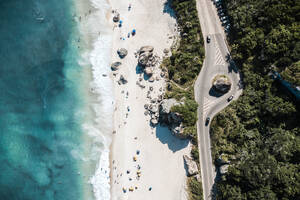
161	154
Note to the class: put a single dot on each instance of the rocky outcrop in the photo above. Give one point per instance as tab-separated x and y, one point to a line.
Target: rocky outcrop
122	52
145	53
148	71
166	105
147	60
115	66
222	160
223	163
171	119
221	84
192	168
223	169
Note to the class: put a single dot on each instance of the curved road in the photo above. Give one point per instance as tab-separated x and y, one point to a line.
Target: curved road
215	63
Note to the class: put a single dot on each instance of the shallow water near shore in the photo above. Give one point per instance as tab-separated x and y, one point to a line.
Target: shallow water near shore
50	142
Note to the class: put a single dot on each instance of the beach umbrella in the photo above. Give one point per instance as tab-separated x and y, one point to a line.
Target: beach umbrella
133	32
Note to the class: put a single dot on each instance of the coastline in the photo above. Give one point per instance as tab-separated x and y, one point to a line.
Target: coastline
113	133
95	43
160	154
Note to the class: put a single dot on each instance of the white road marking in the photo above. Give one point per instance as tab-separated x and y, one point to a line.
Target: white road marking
219	60
207	104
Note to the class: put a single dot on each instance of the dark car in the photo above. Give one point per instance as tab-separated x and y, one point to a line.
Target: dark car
221	14
223	18
219	4
225	22
230	98
207	121
208	39
217	1
220	9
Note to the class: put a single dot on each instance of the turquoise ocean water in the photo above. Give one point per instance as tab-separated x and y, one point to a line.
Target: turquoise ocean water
39	101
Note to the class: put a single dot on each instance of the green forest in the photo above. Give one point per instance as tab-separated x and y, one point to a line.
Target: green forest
259	134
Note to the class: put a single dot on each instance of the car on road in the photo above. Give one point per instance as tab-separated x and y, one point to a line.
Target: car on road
208	39
224	18
225	22
221	14
217	1
230	98
227	28
207	121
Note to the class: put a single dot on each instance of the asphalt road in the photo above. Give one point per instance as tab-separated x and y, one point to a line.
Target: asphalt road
215	63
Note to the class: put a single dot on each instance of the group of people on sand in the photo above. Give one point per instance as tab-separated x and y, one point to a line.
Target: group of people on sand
129	174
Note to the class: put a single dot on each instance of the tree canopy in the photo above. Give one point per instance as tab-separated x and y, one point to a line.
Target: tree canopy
260	132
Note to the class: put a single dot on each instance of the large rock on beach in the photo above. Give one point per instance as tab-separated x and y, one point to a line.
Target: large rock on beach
146	49
221	84
171	119
115	66
154	121
148	71
178	131
122	52
166	105
145	53
192	168
116	17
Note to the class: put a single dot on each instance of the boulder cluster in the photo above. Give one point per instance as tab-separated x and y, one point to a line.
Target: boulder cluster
152	108
171	119
222	164
160	112
221	84
191	165
116	17
115	66
147	61
122	52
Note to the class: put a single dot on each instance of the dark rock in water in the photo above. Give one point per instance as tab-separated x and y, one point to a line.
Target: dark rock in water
115	66
222	84
122	52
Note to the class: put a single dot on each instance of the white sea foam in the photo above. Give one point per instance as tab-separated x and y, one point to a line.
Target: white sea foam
99	57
